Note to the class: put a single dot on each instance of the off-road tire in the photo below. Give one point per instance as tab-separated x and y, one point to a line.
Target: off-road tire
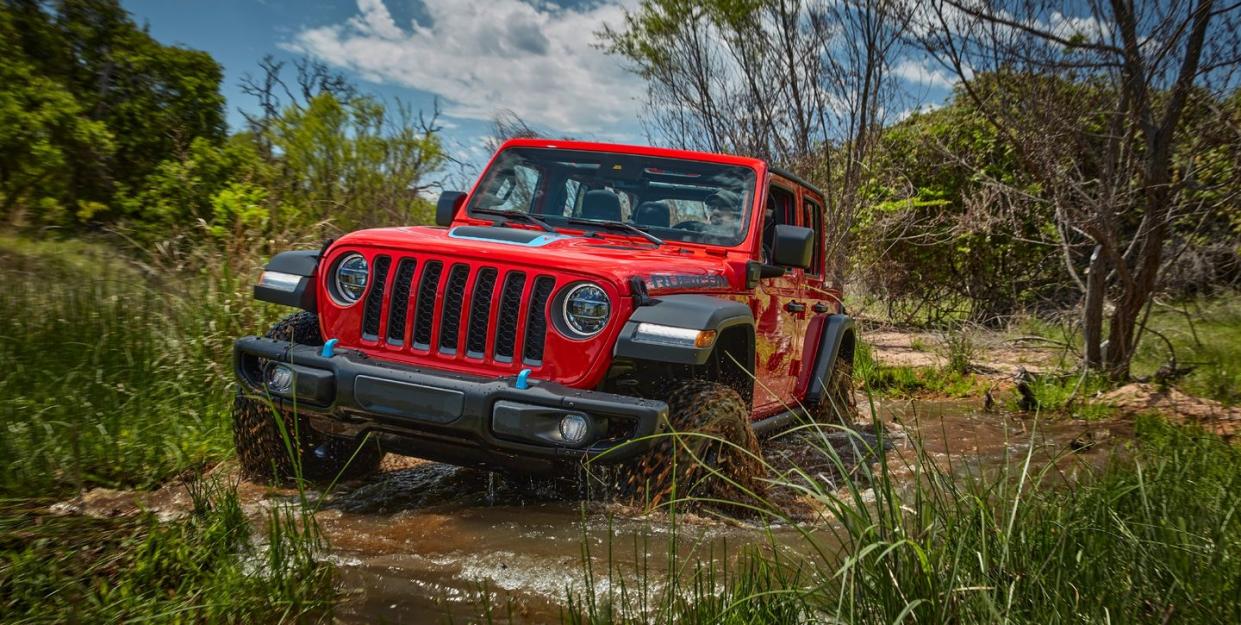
838	405
709	451
261	448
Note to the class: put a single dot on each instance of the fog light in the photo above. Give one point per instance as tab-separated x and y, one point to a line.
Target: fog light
574	428
280	379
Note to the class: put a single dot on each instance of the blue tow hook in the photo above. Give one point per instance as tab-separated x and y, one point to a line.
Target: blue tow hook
329	348
523	380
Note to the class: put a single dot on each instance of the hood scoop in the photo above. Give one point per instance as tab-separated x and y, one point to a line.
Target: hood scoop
508	236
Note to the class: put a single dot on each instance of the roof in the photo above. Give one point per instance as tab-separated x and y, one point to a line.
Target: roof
640	150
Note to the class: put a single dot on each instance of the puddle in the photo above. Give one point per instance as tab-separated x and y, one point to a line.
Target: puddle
426	543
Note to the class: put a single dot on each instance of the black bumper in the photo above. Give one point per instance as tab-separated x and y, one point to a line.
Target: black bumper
448	417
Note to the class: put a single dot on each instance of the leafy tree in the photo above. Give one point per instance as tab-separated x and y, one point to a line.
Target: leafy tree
354	163
42	131
84	68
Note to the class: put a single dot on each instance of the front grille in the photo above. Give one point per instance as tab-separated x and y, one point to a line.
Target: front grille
400	300
375	299
450	324
506	325
438	306
480	312
423	318
536	319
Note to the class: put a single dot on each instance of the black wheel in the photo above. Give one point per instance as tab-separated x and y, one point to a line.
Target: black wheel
257	430
712	452
838	404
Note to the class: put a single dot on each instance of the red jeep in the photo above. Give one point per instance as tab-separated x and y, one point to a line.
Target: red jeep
581	298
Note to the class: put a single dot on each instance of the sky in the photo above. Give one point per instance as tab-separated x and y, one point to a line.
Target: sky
538	59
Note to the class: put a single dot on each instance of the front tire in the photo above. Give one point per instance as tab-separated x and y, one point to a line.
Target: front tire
260	430
710	451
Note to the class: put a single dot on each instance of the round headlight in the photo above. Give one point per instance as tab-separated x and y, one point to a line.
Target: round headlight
586	309
349	279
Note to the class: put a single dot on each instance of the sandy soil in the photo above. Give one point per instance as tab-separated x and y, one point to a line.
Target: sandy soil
994	354
1176	406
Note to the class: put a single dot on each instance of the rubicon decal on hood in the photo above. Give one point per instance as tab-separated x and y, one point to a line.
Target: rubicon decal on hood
681	281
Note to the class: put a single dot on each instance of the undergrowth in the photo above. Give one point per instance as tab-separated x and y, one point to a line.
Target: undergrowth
1153	538
206	568
113	376
902	381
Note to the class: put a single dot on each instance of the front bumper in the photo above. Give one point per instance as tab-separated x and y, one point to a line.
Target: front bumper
448	417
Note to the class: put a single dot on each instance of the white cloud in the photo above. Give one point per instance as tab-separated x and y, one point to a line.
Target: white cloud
923	74
485	56
1068	26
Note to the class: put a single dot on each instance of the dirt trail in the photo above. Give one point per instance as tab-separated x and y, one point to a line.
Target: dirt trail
993	353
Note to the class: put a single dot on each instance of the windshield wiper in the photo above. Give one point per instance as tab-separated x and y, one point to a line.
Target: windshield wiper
618	225
517	215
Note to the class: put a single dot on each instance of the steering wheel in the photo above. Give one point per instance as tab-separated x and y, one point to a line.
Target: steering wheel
692	226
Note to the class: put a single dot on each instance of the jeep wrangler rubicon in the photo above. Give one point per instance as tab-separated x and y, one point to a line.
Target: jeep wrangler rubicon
581	298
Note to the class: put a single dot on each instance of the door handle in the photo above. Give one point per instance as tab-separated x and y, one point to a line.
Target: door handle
795	307
819	308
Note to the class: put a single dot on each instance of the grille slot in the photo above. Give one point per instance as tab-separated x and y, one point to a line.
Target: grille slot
450	319
425	312
480	312
375	299
510	305
536	319
398	311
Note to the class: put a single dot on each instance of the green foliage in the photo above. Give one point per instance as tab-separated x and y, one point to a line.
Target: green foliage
1205	335
43	129
101	104
353	163
1153	538
100	125
1071	395
934	242
111	378
903	381
206	568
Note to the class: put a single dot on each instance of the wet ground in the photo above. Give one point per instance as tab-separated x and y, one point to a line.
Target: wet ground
428	543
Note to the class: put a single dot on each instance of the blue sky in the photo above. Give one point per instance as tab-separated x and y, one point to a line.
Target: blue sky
478	57
538	59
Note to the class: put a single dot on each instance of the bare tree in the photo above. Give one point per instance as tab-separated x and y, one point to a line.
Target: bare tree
1092	96
803	83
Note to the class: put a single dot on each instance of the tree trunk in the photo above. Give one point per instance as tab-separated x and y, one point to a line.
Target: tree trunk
1092	313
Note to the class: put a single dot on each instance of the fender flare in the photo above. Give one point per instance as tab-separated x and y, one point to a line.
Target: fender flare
695	312
835	331
300	263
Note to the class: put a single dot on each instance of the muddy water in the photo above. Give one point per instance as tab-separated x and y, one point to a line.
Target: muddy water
423	543
428	543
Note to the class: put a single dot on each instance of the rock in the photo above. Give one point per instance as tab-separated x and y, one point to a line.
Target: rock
1089	439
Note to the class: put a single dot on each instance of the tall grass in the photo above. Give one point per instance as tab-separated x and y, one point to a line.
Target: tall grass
207	568
111	376
1153	538
118	376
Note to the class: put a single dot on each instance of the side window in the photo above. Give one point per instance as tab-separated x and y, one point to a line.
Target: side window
813	218
780	209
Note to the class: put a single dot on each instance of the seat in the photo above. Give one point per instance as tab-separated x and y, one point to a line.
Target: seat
601	205
657	214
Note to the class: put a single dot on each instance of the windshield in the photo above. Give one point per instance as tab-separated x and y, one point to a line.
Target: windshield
673	199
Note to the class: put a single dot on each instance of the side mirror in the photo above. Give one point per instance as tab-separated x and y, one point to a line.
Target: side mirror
792	246
450	202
